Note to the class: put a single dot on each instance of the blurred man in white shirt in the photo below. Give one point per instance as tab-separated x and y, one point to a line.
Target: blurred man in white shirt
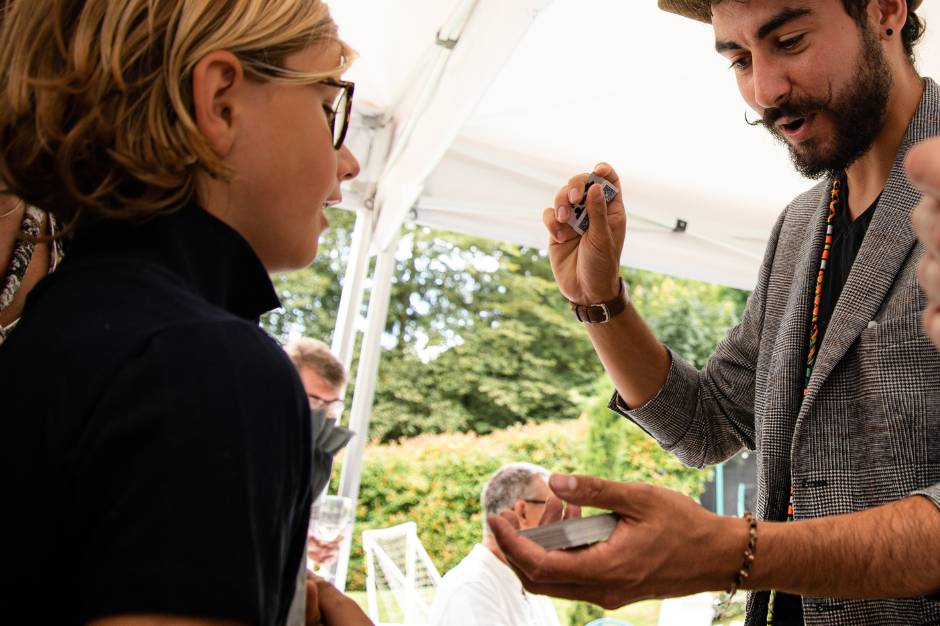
482	590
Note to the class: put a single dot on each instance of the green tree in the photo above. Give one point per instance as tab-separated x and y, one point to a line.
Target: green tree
478	336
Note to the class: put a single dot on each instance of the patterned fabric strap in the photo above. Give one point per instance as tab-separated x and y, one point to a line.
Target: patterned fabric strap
813	333
23	249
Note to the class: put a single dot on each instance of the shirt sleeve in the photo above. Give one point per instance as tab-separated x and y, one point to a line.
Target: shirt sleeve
932	493
705	417
195	476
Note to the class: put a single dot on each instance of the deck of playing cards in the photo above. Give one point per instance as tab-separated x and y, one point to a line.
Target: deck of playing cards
331	438
573	533
579	216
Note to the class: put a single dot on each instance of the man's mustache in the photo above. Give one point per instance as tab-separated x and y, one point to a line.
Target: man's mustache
795	107
794	110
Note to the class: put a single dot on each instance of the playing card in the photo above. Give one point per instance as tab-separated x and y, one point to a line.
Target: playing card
573	533
579	217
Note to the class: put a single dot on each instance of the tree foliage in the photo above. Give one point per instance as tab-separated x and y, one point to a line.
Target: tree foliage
478	336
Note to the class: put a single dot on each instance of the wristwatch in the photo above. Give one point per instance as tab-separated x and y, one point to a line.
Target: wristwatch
603	312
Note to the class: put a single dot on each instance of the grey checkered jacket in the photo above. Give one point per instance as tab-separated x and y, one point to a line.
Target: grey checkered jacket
868	432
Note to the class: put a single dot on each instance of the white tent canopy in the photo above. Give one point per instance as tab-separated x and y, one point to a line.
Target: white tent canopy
588	81
471	114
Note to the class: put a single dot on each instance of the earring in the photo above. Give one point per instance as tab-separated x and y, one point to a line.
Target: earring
889	32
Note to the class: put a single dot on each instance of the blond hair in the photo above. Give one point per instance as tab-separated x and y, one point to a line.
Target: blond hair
96	110
316	355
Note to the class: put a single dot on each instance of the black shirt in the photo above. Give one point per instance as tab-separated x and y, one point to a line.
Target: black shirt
847	237
155	443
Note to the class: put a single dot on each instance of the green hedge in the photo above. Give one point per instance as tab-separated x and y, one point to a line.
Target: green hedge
435	480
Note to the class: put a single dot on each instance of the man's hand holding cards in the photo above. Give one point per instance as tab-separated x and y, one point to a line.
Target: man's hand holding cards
586	228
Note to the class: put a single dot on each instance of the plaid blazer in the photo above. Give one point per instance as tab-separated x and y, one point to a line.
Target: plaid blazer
868	432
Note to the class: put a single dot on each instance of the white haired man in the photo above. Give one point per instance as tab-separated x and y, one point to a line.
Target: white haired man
482	590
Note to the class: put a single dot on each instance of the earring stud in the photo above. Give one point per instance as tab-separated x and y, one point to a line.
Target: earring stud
889	32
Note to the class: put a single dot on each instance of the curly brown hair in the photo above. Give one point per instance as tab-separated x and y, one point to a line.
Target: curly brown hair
96	111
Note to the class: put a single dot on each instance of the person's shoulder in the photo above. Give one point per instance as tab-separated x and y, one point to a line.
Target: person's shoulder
108	310
226	345
806	203
799	215
471	572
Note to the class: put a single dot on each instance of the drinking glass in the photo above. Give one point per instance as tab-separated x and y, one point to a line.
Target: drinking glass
330	516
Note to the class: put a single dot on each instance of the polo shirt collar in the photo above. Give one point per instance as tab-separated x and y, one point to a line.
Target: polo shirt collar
206	253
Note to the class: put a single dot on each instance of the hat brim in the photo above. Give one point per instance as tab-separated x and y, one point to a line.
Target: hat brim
701	10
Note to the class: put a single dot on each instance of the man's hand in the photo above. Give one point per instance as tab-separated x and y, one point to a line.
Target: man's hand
923	167
664	545
587	268
327	606
323	552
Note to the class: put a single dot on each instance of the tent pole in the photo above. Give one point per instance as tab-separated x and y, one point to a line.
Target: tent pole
361	412
344	335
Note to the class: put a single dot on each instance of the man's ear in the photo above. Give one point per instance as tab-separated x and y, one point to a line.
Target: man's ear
890	14
519	509
216	81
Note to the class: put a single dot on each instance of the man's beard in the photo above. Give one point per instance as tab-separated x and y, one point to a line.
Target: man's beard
858	116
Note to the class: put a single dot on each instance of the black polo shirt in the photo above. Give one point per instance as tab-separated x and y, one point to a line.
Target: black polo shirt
155	443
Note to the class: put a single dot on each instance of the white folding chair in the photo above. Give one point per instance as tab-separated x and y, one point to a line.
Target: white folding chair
401	580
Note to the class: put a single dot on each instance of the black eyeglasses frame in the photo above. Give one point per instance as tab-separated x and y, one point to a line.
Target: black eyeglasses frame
350	88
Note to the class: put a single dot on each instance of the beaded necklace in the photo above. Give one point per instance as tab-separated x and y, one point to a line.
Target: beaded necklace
813	334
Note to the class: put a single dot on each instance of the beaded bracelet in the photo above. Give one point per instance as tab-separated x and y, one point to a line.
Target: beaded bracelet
749	552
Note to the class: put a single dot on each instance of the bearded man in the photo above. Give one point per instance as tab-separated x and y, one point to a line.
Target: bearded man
829	376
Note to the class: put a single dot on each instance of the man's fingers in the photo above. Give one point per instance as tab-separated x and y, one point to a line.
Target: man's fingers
572	192
624	498
606	170
558	232
313	601
511	518
554	508
599	230
932	324
928	273
572	511
534	561
923	166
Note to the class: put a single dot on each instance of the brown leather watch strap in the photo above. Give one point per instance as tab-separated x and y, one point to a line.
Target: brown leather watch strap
603	312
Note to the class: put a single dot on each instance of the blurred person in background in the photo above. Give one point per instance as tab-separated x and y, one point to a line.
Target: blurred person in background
190	149
482	590
323	378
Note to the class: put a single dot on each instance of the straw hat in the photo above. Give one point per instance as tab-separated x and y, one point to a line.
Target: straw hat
701	9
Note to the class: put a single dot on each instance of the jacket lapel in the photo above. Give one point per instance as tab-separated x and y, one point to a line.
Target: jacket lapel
886	247
788	363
